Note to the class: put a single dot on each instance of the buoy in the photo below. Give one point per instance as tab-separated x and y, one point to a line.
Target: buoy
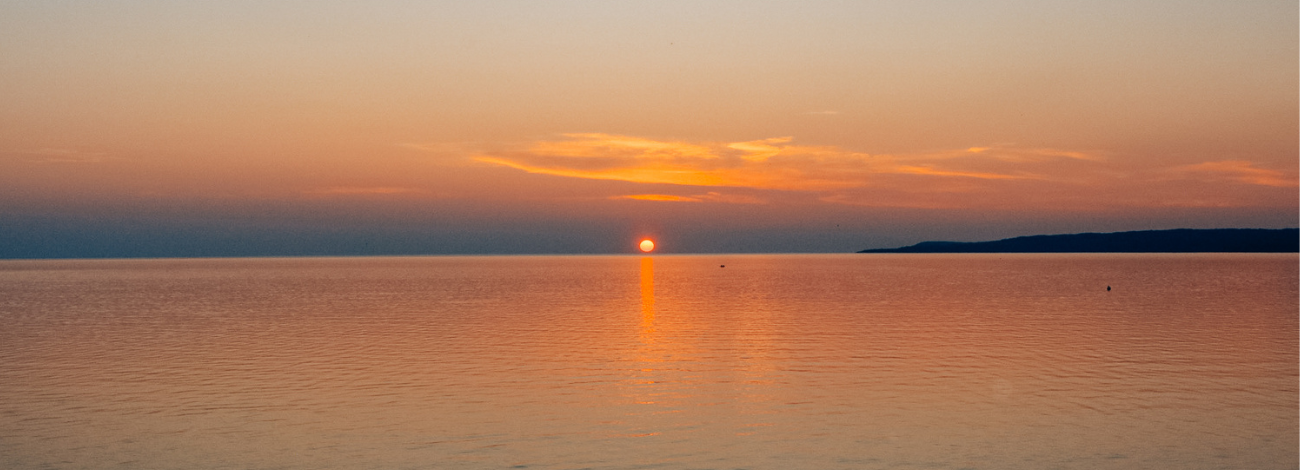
1107	288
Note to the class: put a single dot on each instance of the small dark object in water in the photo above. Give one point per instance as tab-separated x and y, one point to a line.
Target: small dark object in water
1107	288
723	266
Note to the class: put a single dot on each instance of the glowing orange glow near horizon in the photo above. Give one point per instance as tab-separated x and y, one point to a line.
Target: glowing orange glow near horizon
833	126
647	245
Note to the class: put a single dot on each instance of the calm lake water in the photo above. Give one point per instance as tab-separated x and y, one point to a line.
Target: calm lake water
621	362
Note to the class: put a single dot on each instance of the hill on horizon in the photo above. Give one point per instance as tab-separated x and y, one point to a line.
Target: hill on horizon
1235	240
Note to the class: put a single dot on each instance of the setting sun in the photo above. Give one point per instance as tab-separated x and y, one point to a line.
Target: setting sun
647	245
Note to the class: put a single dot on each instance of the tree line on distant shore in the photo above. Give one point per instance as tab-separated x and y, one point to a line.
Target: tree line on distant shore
1235	240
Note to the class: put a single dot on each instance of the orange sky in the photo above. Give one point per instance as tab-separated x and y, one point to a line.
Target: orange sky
896	121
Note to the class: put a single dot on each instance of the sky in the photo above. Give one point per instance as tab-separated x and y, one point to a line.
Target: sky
250	128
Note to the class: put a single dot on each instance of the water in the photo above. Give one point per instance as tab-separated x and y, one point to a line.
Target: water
619	362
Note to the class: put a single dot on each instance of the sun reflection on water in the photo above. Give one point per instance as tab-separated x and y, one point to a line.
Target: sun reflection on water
647	300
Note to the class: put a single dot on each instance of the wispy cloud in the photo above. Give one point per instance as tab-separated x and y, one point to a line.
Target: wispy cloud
711	196
931	171
772	163
988	176
659	197
759	150
623	158
1241	172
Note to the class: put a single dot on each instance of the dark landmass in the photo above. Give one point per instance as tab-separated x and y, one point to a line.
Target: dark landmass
1228	240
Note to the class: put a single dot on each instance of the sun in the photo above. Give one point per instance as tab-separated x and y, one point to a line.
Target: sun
647	245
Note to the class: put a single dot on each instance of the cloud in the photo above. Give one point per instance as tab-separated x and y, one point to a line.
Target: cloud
711	196
759	150
927	170
986	176
1240	172
657	197
769	164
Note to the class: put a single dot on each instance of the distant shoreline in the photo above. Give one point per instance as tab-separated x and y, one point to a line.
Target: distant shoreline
1234	240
